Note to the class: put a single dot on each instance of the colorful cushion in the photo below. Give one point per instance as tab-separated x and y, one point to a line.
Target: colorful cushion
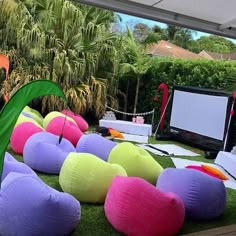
34	113
80	121
69	129
23	118
136	161
21	133
44	153
95	144
52	115
135	207
204	196
87	177
12	165
214	171
115	133
204	170
30	207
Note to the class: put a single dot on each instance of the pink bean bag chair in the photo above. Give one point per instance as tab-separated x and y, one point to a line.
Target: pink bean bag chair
21	134
70	130
136	208
80	121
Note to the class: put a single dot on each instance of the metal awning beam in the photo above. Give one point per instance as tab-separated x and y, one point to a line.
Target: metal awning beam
168	17
228	24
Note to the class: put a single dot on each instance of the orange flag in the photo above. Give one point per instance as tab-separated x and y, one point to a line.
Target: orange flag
4	63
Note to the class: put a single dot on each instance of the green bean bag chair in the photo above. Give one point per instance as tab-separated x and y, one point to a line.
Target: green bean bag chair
52	115
136	161
23	118
87	177
35	114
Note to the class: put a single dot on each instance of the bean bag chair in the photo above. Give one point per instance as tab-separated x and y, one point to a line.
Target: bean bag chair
209	170
23	118
27	114
87	177
136	161
204	196
52	115
30	207
12	165
35	114
80	121
70	130
44	153
96	145
136	208
21	133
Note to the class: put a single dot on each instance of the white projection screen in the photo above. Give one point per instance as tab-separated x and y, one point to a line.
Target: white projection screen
199	113
200	117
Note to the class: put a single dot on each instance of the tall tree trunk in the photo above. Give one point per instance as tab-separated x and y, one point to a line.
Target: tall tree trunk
126	99
136	94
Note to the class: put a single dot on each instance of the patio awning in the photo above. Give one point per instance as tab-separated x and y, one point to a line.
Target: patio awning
210	16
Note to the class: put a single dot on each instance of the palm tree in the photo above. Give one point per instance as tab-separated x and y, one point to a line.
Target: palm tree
136	64
65	42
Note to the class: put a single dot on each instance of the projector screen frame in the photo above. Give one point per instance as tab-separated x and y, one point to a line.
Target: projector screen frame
195	139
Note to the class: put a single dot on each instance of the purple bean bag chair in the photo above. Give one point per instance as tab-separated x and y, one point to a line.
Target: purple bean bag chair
30	207
12	165
42	152
204	196
80	121
95	144
70	131
136	208
21	133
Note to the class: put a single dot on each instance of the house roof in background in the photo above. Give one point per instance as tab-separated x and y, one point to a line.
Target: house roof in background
218	56
167	49
211	16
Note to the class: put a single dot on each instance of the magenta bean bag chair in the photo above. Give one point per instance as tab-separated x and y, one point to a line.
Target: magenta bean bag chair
43	152
30	207
80	121
70	130
204	196
12	165
136	208
21	133
95	144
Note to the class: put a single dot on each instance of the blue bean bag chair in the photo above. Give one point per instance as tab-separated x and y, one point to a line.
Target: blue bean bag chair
12	165
44	153
204	196
29	207
95	144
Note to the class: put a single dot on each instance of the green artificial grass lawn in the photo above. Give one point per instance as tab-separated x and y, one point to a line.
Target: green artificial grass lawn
93	221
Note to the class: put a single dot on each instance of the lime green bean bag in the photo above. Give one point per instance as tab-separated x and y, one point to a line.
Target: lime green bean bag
23	118
87	177
136	161
35	114
52	115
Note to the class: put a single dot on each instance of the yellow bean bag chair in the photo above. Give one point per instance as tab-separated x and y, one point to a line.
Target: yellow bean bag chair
22	118
35	114
87	177
52	115
136	161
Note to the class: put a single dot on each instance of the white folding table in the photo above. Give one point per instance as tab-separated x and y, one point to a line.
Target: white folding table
127	127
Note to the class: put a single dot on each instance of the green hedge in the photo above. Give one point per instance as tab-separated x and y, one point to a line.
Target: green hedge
200	73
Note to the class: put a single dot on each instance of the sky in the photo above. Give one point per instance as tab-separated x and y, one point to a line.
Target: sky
132	20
